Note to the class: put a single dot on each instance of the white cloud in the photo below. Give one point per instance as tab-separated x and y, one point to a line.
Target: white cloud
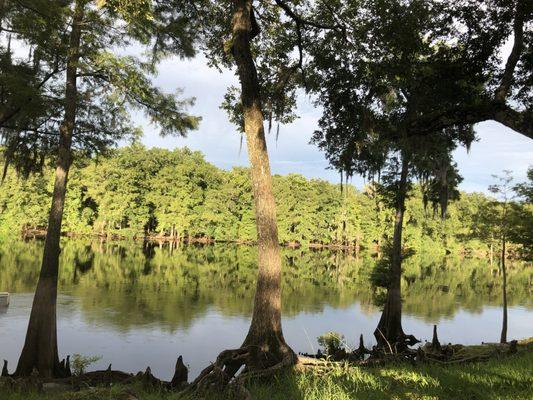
499	148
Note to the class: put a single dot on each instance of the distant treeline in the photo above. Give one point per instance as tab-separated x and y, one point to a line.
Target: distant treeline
156	192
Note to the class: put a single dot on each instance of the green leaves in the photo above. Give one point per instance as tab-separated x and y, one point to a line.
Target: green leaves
135	191
130	10
109	85
130	84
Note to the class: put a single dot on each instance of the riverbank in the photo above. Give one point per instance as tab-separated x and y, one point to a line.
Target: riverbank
174	242
499	378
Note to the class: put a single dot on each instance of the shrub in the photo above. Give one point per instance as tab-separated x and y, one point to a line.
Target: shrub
80	363
331	342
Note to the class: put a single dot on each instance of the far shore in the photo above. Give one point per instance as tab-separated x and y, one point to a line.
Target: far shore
40	233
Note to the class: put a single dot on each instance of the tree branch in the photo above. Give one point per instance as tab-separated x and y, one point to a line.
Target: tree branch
301	20
518	46
4	118
519	121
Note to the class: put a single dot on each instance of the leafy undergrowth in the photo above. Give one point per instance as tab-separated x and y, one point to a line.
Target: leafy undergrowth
505	378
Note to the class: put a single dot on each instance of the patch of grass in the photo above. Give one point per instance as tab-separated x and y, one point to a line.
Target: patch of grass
497	379
508	378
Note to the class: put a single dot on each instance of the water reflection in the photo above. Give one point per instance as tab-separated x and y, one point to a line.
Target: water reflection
142	303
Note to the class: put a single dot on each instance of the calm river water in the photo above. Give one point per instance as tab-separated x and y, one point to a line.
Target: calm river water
142	305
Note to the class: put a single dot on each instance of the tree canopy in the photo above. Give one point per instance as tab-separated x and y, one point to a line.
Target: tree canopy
110	84
137	191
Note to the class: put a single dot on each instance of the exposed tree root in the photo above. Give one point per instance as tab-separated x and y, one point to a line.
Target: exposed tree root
431	352
222	374
103	378
234	368
402	343
5	373
230	372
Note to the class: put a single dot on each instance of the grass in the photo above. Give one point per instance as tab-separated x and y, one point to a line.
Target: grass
509	378
505	378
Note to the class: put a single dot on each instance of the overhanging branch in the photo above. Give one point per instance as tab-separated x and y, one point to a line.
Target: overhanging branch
301	20
514	57
519	121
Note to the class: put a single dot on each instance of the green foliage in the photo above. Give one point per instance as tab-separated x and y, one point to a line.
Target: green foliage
522	211
331	342
506	217
109	85
525	190
79	363
135	192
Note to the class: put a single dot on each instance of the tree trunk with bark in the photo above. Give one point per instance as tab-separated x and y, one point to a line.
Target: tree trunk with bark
503	337
389	330
265	331
40	350
264	350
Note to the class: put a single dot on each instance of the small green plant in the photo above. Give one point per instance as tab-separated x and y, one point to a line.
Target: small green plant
331	342
80	363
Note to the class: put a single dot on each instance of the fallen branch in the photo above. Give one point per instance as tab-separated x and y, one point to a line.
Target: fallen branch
385	339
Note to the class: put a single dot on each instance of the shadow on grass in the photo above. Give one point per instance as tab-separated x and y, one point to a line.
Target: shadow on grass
507	378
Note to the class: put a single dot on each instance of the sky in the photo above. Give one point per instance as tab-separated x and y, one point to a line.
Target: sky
497	149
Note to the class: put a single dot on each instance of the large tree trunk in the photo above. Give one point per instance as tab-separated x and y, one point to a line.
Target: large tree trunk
389	330
503	337
40	348
265	330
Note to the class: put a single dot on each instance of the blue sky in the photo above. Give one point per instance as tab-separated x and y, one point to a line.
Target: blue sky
498	147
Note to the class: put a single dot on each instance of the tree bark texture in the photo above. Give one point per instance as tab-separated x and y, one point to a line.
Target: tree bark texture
389	330
265	330
40	349
503	337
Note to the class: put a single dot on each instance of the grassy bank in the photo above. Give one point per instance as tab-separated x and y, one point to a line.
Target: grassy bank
507	378
498	379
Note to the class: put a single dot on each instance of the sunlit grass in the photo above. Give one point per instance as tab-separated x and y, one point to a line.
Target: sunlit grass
508	378
497	379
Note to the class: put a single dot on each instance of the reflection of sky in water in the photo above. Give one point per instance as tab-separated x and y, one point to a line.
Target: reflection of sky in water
154	344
